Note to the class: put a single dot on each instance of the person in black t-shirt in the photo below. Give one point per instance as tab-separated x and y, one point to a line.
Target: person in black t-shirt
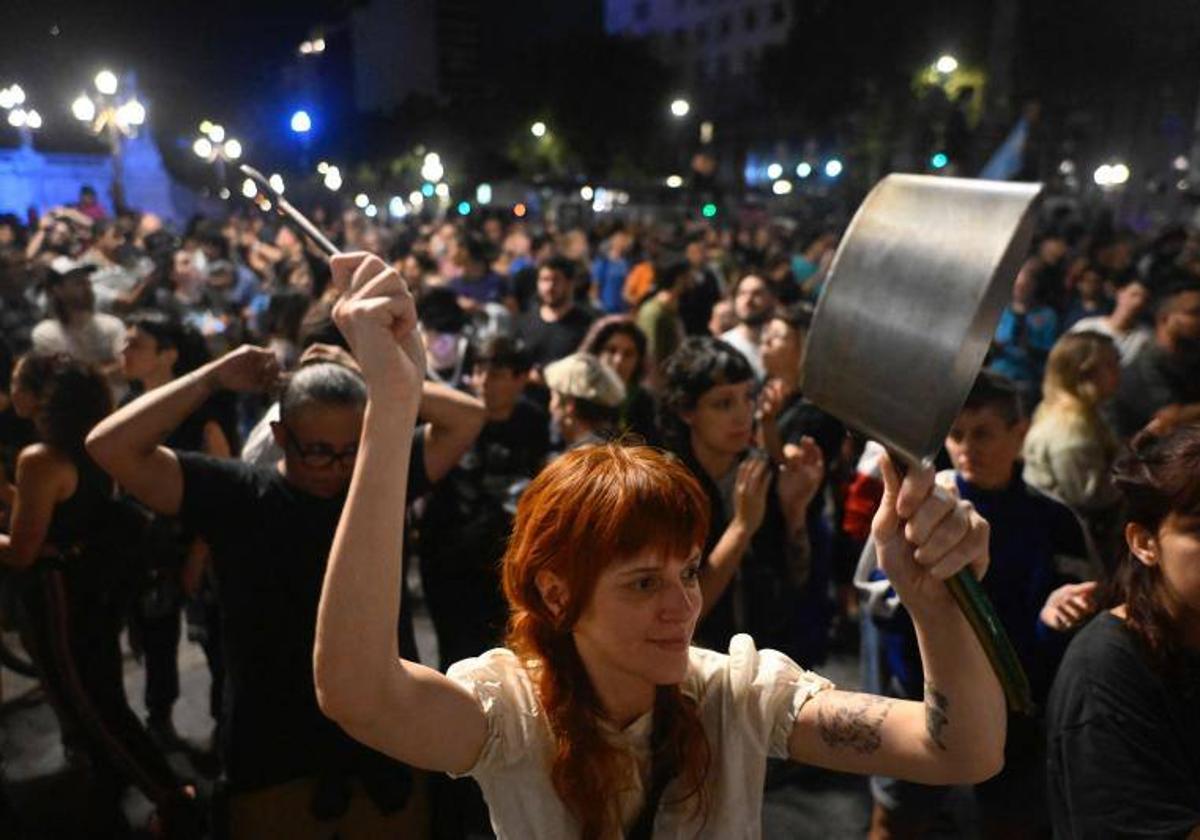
1123	729
469	514
289	768
757	554
557	325
157	350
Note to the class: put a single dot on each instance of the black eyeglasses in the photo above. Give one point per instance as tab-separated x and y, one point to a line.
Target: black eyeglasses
319	455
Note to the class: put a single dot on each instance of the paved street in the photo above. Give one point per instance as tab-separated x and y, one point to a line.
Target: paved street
801	802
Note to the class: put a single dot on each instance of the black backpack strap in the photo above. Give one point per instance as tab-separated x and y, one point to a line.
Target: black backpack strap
662	771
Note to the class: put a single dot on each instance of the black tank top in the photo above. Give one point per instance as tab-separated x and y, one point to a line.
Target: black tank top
88	511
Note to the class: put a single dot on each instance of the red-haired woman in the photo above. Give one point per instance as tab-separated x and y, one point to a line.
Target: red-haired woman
599	719
1123	718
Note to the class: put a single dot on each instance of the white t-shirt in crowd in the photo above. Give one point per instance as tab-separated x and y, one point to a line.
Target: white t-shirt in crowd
748	702
748	348
1129	345
97	341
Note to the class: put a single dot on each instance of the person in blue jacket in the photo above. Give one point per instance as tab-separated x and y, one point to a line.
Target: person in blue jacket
1033	540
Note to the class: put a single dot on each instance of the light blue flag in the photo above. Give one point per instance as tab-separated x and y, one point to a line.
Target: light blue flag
1006	162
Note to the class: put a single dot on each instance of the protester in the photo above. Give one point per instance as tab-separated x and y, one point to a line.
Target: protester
1069	449
753	304
67	529
1027	330
757	551
658	313
600	716
557	325
618	343
157	351
1030	536
1123	734
288	769
1124	324
76	328
585	400
1162	385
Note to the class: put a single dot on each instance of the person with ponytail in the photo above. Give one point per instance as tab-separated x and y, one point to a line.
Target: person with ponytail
73	542
599	718
1122	722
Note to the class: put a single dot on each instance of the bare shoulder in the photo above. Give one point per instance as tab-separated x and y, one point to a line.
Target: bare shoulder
46	466
42	460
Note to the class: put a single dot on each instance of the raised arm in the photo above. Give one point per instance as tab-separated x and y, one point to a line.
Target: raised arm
455	420
400	708
128	443
957	735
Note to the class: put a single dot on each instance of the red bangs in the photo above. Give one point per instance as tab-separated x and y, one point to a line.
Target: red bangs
598	504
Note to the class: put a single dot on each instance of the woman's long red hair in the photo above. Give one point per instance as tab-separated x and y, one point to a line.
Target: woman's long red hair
588	508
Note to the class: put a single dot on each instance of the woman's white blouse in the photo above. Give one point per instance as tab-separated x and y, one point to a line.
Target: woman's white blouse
748	701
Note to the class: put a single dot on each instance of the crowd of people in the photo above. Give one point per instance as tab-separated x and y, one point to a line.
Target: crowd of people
593	443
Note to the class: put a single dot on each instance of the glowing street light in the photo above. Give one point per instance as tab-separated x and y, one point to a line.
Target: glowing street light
538	129
833	168
301	122
115	116
680	107
249	189
276	182
674	181
361	200
432	168
1111	175
442	190
216	147
803	169
333	179
774	171
106	82
946	65
586	193
12	98
483	194
781	187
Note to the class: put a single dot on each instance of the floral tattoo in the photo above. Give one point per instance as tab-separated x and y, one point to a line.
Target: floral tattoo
855	724
936	719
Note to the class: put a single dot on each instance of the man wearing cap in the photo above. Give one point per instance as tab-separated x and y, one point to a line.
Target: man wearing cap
75	327
585	399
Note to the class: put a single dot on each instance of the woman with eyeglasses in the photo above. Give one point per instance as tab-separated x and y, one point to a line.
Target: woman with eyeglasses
599	719
290	771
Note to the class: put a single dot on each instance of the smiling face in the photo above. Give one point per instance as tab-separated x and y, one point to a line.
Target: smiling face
638	624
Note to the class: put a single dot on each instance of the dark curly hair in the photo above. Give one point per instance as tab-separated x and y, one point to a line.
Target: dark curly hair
1159	476
700	363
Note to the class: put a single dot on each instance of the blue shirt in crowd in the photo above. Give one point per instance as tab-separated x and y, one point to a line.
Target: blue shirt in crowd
1029	530
1023	342
609	277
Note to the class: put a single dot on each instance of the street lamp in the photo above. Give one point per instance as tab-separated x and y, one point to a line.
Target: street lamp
216	148
946	65
27	120
538	129
1111	175
301	122
680	107
116	117
833	168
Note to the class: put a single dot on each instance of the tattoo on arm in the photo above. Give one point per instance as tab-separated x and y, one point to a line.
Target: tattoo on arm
856	723
936	705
